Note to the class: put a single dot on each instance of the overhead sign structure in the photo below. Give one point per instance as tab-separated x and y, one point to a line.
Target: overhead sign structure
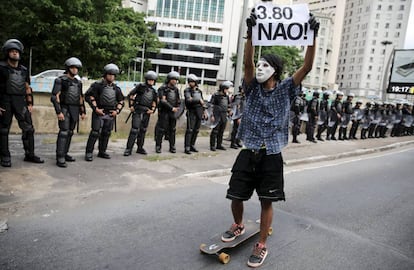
402	73
282	25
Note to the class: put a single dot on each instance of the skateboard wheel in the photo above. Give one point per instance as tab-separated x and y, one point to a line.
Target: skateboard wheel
270	232
224	258
202	246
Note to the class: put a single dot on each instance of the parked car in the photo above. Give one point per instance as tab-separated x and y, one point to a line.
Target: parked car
43	82
48	74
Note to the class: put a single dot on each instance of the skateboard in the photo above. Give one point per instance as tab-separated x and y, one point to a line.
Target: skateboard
216	246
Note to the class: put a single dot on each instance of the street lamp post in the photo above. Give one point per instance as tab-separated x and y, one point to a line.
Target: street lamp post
384	70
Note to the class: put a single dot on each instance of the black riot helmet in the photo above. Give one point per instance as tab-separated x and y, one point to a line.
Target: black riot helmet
73	62
10	45
173	75
150	75
111	69
192	78
225	85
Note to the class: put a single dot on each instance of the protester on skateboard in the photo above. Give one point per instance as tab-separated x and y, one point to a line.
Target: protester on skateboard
264	132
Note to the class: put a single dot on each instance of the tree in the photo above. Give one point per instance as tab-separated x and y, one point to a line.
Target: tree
96	31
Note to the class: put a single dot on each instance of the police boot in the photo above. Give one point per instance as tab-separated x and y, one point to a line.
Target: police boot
61	149
93	136
130	142
383	132
68	157
213	138
187	141
377	132
28	144
363	133
4	148
103	144
140	144
344	134
193	141
371	130
319	134
158	139
340	133
220	142
171	139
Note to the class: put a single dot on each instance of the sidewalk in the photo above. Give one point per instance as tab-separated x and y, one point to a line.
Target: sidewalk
25	186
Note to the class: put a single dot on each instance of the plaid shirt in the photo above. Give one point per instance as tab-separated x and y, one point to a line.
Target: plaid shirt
265	121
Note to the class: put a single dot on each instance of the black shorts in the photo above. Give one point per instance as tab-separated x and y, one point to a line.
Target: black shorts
254	170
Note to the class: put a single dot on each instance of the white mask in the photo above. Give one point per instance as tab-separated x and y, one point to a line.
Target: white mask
264	71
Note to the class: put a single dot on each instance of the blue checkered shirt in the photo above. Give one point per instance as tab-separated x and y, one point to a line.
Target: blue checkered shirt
265	121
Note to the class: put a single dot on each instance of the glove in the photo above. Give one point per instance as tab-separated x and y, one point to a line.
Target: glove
313	24
251	21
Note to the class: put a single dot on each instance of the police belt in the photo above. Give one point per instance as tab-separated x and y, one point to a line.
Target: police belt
139	107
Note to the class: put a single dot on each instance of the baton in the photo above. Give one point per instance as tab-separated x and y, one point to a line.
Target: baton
129	115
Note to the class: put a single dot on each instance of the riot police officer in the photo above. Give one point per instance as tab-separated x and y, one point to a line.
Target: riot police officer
142	102
297	107
221	107
323	115
335	116
106	101
16	99
237	105
347	113
169	105
356	119
313	112
68	101
194	102
366	119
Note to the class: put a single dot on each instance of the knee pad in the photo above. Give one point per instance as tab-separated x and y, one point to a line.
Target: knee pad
63	133
70	133
94	134
134	131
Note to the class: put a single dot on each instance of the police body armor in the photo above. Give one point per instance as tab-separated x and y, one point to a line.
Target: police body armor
107	98
222	103
145	96
16	83
70	92
171	96
196	95
348	107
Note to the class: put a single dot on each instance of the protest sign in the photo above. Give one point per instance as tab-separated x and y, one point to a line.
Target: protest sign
282	25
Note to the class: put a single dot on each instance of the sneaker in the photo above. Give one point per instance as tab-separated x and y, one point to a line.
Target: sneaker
258	256
234	231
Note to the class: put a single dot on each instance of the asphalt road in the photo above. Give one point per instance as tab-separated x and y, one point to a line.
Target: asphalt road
344	214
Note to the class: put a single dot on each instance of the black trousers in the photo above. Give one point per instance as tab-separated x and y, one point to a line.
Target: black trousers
139	127
193	127
66	128
166	125
16	106
101	128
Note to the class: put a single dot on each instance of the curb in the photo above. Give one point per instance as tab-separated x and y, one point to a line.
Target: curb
359	152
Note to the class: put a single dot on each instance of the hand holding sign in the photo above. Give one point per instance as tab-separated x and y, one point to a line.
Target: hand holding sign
283	25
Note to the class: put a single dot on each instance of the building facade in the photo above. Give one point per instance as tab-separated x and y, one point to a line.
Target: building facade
200	37
330	13
371	30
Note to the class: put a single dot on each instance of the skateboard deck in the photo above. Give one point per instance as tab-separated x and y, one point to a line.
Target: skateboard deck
216	245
